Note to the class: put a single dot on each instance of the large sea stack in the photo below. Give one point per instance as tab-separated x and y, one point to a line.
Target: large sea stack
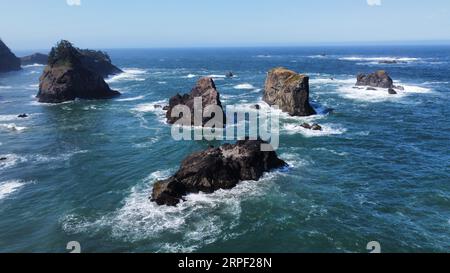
8	61
206	89
66	78
216	168
289	91
96	61
379	79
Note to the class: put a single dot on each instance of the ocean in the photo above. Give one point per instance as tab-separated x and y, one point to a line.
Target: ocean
379	171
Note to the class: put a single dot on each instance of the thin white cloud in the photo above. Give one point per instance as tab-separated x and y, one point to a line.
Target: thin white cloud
73	2
374	3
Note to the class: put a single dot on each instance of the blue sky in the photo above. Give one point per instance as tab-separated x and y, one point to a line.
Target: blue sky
31	24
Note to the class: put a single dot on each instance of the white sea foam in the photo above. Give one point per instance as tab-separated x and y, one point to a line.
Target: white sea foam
11	161
331	80
190	76
5	87
294	160
379	59
197	222
327	130
33	65
318	56
132	98
150	107
331	151
217	76
9	187
244	86
7	118
263	56
130	74
380	94
12	127
32	87
162	82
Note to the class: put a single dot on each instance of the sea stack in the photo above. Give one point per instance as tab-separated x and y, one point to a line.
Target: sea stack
8	61
379	79
216	168
289	91
206	89
36	58
65	78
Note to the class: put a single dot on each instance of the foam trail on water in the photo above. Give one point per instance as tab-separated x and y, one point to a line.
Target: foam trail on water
327	130
12	127
244	86
199	221
379	59
190	76
132	99
9	187
130	74
33	65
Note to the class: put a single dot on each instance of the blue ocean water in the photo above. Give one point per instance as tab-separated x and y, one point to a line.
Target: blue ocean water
379	171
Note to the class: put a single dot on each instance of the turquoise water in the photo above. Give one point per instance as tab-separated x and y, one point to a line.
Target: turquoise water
379	171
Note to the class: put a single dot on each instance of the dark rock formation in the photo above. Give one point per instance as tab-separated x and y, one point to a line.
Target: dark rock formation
378	79
371	89
229	75
392	91
289	91
306	125
22	116
65	78
96	61
215	169
99	62
8	61
36	58
314	127
3	158
206	89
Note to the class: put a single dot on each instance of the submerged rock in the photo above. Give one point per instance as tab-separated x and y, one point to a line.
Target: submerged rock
306	125
314	127
36	58
378	79
65	78
392	91
3	158
22	116
8	61
216	168
206	89
371	89
289	91
229	75
399	87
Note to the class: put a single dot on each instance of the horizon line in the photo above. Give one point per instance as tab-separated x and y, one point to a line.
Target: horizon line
284	45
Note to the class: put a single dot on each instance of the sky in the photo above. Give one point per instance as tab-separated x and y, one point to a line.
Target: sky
31	24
